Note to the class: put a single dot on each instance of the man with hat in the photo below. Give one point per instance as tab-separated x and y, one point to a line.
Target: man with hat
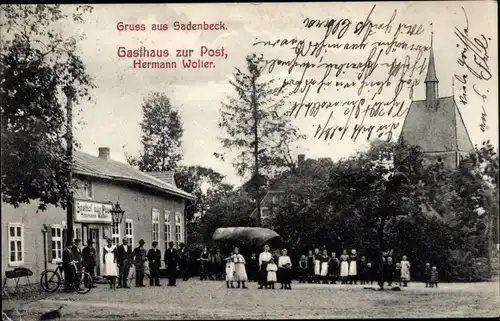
172	259
67	258
77	254
218	266
89	260
123	260
154	258
140	257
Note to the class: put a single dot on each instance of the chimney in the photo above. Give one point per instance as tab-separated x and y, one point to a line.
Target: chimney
301	159
104	153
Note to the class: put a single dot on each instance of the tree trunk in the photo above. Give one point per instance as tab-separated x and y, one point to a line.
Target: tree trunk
69	155
380	249
256	150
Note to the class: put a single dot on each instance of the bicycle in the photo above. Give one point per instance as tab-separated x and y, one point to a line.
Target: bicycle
51	280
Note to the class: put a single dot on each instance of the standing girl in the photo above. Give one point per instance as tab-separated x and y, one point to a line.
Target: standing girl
405	271
110	268
240	273
434	277
285	270
271	273
310	266
317	265
230	271
324	266
353	267
264	259
333	267
344	266
303	269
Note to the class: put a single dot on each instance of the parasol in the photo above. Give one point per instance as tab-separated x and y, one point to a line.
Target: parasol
248	236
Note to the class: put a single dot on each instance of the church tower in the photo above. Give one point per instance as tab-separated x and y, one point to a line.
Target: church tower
435	124
431	81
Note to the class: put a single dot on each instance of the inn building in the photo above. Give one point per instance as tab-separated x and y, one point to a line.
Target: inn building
153	205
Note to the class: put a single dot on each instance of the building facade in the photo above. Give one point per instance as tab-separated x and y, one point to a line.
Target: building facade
436	125
154	211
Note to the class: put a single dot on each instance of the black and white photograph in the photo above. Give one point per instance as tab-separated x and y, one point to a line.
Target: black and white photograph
284	160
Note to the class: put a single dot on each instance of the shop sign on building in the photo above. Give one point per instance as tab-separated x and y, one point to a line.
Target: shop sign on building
92	212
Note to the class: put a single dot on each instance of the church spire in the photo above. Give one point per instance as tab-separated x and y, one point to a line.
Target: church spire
431	81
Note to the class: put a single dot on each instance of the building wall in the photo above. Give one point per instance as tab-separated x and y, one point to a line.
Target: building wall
137	202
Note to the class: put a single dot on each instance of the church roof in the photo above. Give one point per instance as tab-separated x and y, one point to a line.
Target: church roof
436	130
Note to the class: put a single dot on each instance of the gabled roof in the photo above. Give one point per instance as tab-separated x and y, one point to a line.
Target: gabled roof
167	177
436	130
89	165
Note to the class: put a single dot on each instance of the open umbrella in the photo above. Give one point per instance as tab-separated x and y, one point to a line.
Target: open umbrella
248	236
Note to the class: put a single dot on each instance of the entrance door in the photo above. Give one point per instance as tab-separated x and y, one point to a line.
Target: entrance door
94	236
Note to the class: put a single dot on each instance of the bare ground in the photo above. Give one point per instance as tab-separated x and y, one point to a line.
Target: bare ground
211	300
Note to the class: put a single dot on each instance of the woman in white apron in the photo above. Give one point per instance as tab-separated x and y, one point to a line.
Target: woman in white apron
317	265
324	266
353	267
344	266
110	267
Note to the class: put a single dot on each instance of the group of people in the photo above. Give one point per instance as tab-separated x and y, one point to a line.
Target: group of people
266	269
119	259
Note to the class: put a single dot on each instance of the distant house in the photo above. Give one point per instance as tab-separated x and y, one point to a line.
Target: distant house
436	125
277	188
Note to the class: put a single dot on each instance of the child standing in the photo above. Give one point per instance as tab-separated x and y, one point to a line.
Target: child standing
240	273
230	271
405	271
434	277
397	273
369	273
303	269
272	268
427	274
253	268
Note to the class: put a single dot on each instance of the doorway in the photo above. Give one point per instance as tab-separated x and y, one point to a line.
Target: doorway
94	236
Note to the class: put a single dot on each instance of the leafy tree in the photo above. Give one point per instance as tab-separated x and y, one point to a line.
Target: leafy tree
193	179
257	126
162	131
38	65
228	208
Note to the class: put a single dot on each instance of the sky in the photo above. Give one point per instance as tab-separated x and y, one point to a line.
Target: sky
112	118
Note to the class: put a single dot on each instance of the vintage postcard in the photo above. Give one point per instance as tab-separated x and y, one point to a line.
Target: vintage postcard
329	160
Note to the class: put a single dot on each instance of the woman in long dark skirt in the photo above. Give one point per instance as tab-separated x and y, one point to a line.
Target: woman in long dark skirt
264	259
310	266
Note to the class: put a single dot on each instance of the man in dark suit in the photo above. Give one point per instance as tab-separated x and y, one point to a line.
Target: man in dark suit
67	258
172	259
89	260
77	254
123	260
154	258
184	263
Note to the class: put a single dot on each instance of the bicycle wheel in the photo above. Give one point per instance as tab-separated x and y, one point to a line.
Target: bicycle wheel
50	281
83	282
